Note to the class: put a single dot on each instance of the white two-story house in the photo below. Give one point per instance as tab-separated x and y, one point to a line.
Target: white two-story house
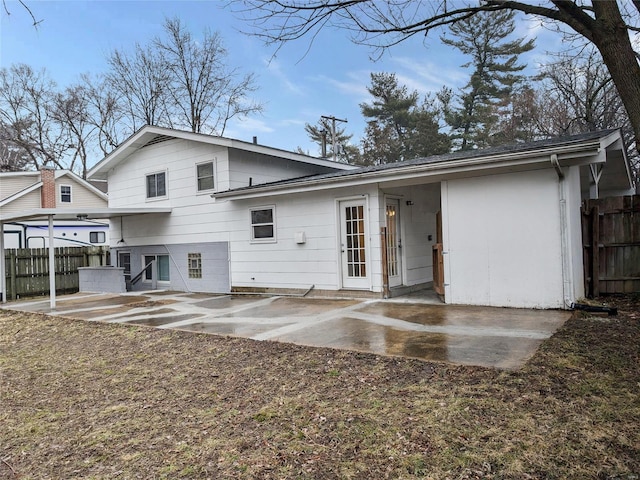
494	227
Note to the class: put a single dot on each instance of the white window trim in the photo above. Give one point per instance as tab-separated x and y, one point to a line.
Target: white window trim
251	225
166	186
70	193
215	177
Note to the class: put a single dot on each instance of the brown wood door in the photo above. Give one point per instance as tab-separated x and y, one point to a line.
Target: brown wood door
438	261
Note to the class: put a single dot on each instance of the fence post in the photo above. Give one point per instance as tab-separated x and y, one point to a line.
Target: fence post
12	276
595	250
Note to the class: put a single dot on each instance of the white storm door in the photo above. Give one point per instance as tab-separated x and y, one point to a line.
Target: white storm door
353	251
394	245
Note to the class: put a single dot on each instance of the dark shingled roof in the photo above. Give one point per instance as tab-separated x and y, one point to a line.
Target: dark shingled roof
447	157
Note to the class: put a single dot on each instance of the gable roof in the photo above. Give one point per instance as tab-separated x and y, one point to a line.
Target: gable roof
586	148
37	183
151	135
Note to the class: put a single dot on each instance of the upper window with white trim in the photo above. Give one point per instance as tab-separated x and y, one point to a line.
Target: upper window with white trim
157	185
263	226
205	176
65	193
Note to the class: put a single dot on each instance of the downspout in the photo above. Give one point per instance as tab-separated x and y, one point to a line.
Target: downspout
567	281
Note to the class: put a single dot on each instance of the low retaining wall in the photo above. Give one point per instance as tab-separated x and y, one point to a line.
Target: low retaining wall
102	279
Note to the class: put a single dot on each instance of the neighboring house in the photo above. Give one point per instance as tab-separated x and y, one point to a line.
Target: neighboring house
50	189
502	225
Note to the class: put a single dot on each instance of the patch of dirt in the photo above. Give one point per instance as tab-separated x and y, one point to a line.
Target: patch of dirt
91	400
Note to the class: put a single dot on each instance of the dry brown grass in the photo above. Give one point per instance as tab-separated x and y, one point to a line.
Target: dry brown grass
87	400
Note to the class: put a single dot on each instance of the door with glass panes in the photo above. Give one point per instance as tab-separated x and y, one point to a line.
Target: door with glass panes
353	245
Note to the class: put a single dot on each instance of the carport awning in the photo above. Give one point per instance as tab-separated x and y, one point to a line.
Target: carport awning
78	213
52	214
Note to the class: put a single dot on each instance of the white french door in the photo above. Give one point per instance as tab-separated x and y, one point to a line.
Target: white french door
353	244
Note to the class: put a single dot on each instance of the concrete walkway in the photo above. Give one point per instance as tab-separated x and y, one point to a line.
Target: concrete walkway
416	326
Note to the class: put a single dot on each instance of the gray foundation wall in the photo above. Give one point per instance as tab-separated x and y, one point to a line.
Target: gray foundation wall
101	279
215	266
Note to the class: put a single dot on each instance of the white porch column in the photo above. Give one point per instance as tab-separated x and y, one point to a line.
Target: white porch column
52	267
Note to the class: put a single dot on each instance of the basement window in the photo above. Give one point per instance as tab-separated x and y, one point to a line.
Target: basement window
195	265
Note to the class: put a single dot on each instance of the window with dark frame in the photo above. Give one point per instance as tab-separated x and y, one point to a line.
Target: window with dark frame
262	224
97	237
195	265
65	193
204	173
162	266
156	185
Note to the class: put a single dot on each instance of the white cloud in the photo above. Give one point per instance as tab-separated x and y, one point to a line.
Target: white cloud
274	68
426	77
355	84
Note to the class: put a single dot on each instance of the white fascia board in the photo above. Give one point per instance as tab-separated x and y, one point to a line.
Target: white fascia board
464	165
147	133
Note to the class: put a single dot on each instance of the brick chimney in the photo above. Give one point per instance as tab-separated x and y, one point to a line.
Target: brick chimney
48	190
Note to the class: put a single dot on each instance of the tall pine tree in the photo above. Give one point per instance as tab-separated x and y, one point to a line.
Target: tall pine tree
398	126
496	73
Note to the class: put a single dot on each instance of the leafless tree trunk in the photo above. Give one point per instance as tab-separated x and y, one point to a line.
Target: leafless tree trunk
26	99
205	92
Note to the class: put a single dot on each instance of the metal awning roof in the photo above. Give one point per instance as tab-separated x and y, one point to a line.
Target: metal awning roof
79	213
52	214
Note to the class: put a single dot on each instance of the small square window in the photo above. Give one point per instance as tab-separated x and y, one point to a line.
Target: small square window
65	193
263	224
97	237
156	185
204	173
195	265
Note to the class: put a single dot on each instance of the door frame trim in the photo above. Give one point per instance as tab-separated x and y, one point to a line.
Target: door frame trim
367	240
400	232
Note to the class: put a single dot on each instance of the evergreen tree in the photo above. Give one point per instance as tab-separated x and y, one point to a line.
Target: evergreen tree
398	127
496	73
320	133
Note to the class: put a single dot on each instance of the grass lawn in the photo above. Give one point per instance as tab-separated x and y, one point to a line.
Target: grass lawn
105	401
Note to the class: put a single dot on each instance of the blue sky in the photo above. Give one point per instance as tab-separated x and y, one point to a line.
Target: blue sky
296	87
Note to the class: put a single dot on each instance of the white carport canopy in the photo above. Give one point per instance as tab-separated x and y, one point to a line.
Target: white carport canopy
52	214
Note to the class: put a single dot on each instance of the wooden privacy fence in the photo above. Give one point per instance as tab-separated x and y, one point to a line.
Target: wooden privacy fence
611	240
27	269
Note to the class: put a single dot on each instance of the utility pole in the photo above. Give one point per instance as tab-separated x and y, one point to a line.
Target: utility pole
333	131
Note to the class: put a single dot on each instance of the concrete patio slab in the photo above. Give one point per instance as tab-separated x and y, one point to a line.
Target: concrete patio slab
415	326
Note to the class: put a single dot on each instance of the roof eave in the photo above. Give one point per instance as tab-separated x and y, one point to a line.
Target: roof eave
565	153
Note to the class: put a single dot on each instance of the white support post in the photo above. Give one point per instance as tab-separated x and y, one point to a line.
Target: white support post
3	267
52	266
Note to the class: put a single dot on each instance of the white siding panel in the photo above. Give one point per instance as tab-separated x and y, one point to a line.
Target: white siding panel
80	195
286	264
503	240
27	202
